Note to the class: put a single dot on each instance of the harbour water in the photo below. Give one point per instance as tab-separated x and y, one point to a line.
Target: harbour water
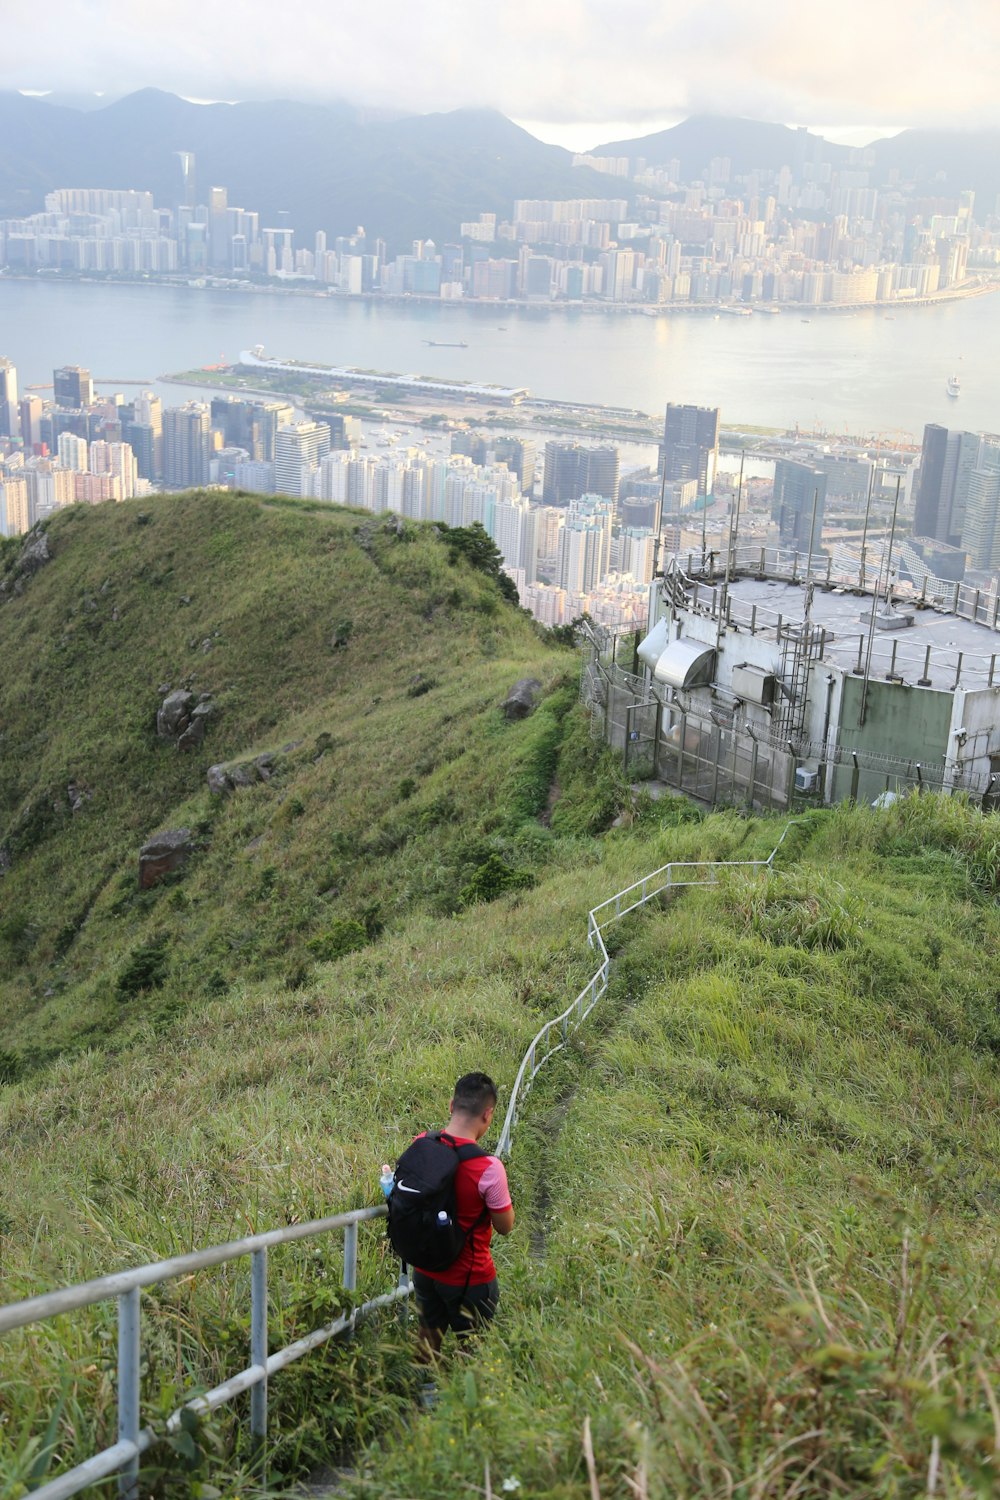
867	372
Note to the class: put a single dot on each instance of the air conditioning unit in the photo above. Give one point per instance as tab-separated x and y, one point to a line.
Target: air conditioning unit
806	780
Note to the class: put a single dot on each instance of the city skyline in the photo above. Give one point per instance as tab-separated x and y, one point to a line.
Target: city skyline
576	63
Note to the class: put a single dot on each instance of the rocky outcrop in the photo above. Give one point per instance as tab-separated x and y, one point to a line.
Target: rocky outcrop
233	774
33	555
521	699
163	854
180	719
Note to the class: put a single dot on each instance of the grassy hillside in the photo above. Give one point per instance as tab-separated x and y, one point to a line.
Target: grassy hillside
372	667
757	1197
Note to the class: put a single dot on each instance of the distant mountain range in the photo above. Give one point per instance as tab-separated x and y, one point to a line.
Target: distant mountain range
332	167
406	179
938	162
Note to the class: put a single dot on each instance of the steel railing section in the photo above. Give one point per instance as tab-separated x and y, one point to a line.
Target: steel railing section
982	606
122	1457
674	876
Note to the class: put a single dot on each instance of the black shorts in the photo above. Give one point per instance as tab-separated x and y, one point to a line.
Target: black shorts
462	1309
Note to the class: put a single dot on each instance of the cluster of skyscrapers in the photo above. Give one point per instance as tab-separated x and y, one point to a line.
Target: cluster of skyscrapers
806	234
956	516
588	539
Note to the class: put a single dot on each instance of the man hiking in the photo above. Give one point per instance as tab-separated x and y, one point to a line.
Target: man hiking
472	1200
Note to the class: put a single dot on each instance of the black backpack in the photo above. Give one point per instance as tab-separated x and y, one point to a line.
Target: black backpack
423	1189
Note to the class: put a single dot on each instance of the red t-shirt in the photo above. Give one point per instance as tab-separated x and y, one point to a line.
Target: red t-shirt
480	1188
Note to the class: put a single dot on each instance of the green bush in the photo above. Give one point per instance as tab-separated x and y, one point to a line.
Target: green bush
491	879
144	969
344	935
11	1066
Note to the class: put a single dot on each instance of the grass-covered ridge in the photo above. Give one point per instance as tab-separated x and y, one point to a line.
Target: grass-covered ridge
757	1197
366	655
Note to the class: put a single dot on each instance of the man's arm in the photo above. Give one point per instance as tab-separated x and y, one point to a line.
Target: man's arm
495	1194
503	1219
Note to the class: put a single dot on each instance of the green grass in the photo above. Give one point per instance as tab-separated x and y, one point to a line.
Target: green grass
756	1196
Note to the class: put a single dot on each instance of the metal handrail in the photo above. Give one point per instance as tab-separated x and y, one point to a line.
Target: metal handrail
540	1049
123	1456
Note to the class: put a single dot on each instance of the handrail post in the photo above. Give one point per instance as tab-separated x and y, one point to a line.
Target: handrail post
258	1347
350	1257
128	1387
351	1264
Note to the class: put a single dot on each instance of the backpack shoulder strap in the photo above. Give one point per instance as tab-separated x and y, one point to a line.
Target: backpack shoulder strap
469	1152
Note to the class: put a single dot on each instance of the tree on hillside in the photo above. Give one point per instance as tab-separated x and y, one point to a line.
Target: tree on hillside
475	544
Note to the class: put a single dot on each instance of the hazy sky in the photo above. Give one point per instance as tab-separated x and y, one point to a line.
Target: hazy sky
577	71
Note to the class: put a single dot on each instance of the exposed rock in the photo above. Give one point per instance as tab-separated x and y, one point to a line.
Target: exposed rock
5	859
174	714
78	796
162	854
185	599
227	776
204	708
192	736
164	688
522	698
218	781
34	553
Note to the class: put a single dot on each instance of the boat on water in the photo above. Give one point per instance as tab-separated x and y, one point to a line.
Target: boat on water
954	386
443	344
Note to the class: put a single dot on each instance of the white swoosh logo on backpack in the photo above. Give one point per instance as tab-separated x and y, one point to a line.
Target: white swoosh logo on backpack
403	1189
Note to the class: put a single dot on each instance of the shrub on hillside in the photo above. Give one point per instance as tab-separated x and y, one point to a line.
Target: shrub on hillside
144	969
11	1066
344	935
491	879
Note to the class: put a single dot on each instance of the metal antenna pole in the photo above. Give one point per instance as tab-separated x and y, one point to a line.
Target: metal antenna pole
734	523
812	533
892	538
876	594
864	534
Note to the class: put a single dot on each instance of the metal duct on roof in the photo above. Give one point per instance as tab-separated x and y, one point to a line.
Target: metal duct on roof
677	664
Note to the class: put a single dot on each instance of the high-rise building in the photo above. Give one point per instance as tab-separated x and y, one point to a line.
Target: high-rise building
143	431
947	461
30	409
10	426
218	227
580	555
268	417
118	460
797	488
15	507
519	456
571	470
981	529
187	186
690	447
186	446
298	449
72	387
73	452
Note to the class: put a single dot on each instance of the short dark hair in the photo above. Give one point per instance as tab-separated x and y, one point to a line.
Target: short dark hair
474	1092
